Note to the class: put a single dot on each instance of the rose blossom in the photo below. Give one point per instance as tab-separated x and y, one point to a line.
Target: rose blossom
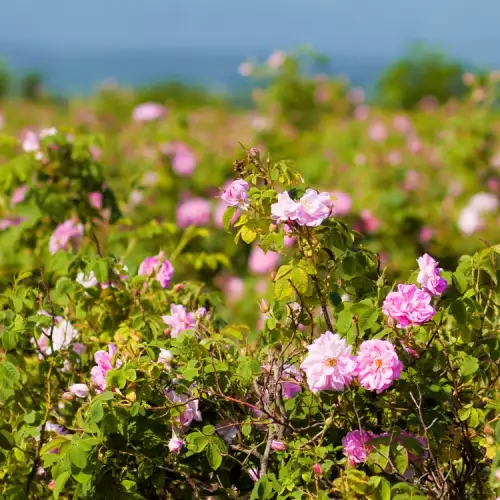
408	306
191	411
148	111
183	157
159	268
62	333
329	365
179	319
165	358
66	236
193	212
278	445
18	195
104	362
236	194
429	275
354	446
79	390
343	203
175	444
377	131
276	59
377	365
260	262
311	210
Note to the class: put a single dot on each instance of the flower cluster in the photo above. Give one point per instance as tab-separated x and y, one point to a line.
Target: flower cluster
330	366
159	268
310	210
410	305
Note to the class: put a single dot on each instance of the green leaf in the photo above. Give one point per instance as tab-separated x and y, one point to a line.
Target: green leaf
400	458
78	455
463	414
214	456
300	280
383	489
6	440
459	312
283	289
208	430
263	488
11	371
459	282
60	482
228	217
116	378
96	411
247	234
469	366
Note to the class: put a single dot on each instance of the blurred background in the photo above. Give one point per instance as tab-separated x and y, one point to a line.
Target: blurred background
75	46
390	106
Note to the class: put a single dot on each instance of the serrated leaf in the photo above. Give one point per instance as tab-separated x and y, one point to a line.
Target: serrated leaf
96	411
300	280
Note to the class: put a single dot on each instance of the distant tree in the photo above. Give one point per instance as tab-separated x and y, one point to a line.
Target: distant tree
32	86
421	72
5	79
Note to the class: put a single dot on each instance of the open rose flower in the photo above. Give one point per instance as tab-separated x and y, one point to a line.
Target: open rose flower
408	306
236	194
104	363
329	365
377	365
147	112
355	447
179	319
430	275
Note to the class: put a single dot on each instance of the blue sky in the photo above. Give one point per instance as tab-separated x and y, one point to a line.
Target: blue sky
361	28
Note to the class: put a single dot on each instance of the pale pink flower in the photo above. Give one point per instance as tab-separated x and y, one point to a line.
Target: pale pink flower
175	444
254	474
62	334
148	111
355	447
317	469
285	209
18	195
483	202
261	262
179	319
276	59
313	208
356	95
10	222
291	388
414	144
87	281
30	142
158	268
369	223
377	365
394	158
425	234
191	411
493	185
95	199
278	445
104	363
66	236
232	286
412	180
470	221
236	194
329	365
165	358
361	112
79	348
245	69
79	390
402	124
193	212
408	306
342	203
377	131
184	160
429	276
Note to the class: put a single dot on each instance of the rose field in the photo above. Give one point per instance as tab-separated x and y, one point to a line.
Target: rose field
296	299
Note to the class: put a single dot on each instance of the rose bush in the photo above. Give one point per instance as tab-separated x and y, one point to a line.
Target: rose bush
124	375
